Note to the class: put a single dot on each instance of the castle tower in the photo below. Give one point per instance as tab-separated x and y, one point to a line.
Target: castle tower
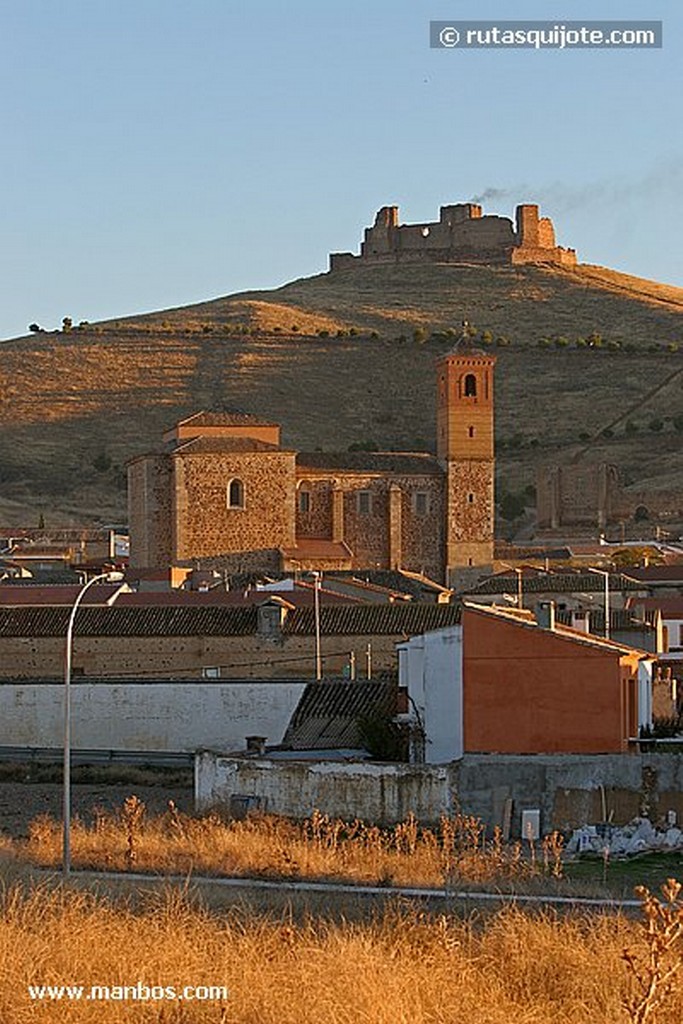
464	429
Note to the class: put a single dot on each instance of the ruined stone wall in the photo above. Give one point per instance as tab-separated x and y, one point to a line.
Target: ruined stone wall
149	511
461	234
204	524
592	494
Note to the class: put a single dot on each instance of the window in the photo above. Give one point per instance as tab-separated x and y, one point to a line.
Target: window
364	503
470	386
235	494
421	503
304	500
211	672
470	498
470	431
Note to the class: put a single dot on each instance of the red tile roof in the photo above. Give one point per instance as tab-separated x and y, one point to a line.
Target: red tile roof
29	594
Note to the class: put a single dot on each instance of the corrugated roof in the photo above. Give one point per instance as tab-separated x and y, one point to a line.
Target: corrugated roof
328	714
399	463
404	619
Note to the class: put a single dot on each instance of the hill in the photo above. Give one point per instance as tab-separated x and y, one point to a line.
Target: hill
348	358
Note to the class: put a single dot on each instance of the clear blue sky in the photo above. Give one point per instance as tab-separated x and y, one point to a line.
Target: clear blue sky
161	152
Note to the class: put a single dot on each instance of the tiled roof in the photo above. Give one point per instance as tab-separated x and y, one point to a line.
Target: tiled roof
398	463
658	574
328	714
116	621
37	594
313	547
217	620
548	583
225	418
404	619
218	596
561	631
218	445
670	607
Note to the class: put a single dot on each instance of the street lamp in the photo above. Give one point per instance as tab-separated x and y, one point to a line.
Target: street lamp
316	605
520	591
110	577
605	573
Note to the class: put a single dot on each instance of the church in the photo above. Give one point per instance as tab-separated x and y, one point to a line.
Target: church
224	493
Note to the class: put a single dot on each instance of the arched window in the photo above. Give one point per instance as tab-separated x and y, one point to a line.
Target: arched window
470	386
304	498
235	494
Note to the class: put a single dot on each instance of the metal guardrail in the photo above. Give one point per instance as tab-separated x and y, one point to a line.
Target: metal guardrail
54	755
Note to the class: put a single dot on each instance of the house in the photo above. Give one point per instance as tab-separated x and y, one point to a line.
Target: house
507	681
570	590
272	639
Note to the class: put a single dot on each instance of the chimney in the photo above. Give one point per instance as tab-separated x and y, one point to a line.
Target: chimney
581	619
545	614
256	745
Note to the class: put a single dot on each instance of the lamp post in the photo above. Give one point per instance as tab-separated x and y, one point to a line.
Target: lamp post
605	573
316	605
520	586
110	577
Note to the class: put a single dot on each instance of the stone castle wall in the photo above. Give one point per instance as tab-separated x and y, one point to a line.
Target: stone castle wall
462	234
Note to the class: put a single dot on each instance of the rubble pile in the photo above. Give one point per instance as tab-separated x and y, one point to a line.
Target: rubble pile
639	836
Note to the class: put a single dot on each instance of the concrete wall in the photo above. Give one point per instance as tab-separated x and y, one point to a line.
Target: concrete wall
430	668
569	790
374	792
147	716
530	690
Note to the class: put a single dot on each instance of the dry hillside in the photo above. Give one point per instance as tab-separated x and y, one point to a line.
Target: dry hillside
348	358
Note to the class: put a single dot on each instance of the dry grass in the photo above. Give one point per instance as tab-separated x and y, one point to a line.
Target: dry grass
114	387
401	968
319	848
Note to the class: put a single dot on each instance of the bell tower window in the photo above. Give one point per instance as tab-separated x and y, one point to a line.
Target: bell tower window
470	386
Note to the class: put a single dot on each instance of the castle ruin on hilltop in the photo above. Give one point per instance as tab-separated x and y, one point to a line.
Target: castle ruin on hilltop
461	235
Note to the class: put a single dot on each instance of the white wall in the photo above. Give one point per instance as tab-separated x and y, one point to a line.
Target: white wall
383	793
430	666
181	716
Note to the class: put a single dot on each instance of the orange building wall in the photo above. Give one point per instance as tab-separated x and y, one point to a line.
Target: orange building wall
527	691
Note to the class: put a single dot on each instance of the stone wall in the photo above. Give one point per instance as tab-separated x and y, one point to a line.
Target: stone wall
417	534
205	525
568	790
461	234
184	657
149	511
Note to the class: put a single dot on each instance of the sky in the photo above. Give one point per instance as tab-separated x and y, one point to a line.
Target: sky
157	153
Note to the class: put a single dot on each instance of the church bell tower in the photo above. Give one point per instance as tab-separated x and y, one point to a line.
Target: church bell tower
465	449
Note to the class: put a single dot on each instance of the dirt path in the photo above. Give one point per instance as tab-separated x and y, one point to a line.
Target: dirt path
21	802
